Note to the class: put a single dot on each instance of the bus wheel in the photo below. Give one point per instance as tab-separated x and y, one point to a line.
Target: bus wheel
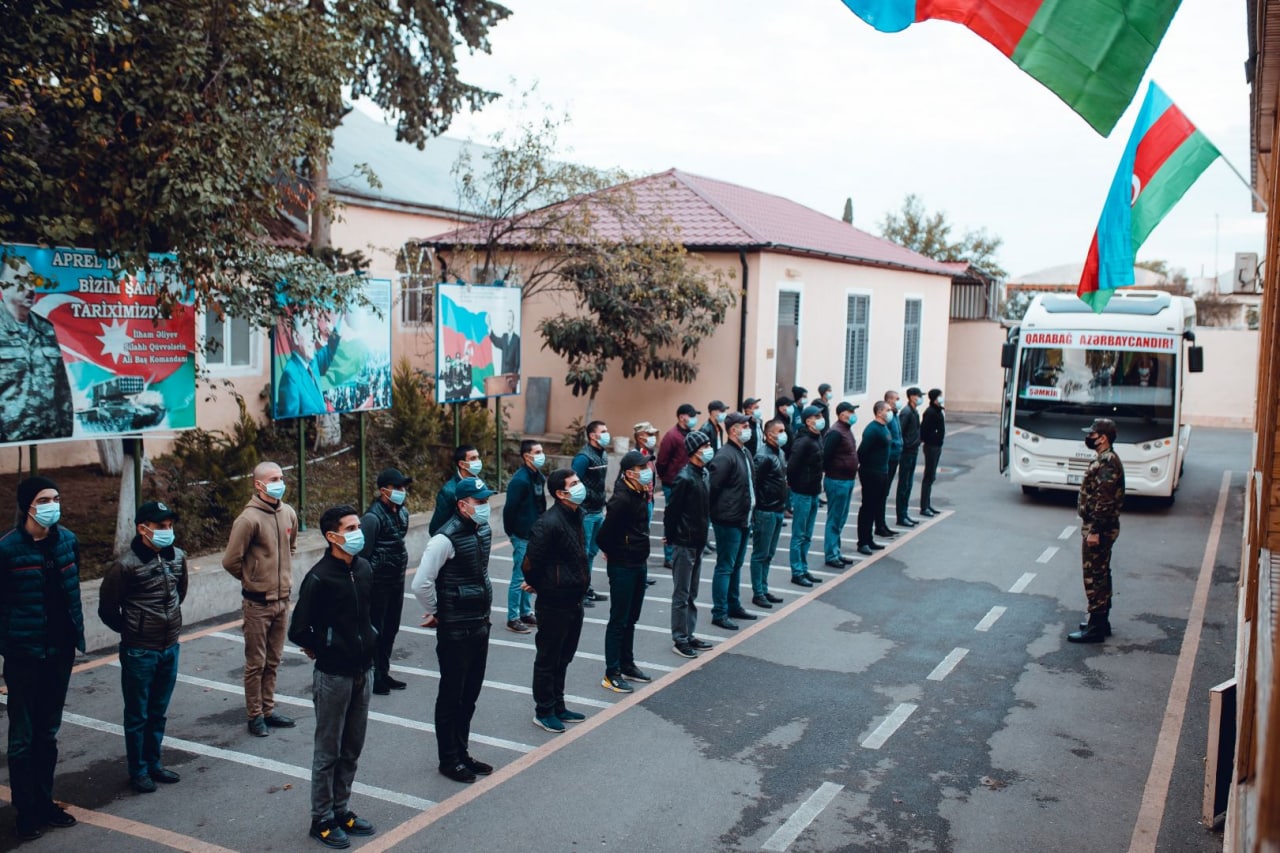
1030	491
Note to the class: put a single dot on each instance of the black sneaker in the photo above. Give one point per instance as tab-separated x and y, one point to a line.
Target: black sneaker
616	683
596	596
743	615
395	684
381	687
328	833
634	673
26	830
258	727
458	772
518	627
278	721
353	825
776	599
477	767
143	784
567	716
684	650
58	817
700	644
164	776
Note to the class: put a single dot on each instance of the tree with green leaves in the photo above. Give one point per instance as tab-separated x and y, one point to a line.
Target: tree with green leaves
930	235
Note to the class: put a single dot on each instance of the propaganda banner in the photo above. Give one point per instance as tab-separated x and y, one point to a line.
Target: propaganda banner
477	342
85	352
333	362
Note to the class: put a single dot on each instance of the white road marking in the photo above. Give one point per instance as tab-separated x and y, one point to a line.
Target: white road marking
891	724
1048	554
247	760
990	619
802	817
943	669
516	644
1023	582
1068	531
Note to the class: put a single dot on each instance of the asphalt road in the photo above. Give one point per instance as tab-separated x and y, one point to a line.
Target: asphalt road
925	699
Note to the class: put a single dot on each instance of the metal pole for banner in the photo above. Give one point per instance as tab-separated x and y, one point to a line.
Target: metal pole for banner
137	473
457	424
497	407
33	454
302	474
364	474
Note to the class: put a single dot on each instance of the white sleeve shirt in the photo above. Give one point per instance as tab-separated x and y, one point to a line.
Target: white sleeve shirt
439	551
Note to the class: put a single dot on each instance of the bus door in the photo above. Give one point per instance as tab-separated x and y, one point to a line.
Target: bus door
1008	360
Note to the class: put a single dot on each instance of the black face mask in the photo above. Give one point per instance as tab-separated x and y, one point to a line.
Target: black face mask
1091	442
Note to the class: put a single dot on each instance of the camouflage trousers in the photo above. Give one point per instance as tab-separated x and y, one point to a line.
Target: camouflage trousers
1096	562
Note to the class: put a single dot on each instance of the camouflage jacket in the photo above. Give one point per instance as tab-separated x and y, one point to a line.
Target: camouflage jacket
1102	492
35	395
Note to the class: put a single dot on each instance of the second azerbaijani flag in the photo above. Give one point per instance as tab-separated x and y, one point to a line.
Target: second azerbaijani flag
1165	155
1090	53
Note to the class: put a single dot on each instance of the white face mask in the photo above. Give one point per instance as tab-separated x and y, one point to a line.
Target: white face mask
651	442
820	424
744	436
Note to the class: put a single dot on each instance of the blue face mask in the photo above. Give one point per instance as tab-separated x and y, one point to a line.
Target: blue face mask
707	454
791	411
853	419
397	496
646	476
692	423
480	514
744	436
604	439
162	538
275	490
782	439
475	466
578	492
721	416
820	424
47	515
352	542
539	459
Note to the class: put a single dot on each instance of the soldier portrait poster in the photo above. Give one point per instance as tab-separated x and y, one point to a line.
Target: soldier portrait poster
477	342
85	352
332	362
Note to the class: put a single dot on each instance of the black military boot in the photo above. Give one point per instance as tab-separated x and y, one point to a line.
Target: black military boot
1094	631
1106	622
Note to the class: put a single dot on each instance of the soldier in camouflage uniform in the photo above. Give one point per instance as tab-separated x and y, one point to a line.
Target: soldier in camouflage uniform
1101	497
35	395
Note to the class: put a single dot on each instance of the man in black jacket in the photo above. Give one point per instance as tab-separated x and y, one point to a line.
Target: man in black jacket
141	599
770	470
624	540
591	464
873	472
933	429
909	421
733	499
684	531
751	408
804	478
555	570
331	625
840	473
384	527
526	502
466	463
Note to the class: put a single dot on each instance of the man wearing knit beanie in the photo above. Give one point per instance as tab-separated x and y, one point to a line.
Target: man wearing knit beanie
42	627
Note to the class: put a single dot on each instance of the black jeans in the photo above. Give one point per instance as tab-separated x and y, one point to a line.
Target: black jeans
386	603
888	485
932	453
559	629
871	510
463	652
906	477
626	597
37	692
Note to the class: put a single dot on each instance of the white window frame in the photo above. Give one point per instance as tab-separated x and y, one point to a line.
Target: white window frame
854	392
906	330
219	367
798	289
425	293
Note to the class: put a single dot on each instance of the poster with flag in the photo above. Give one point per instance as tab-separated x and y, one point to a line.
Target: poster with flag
477	342
85	352
1090	53
1164	157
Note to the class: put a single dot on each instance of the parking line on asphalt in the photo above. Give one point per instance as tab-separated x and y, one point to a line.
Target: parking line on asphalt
990	619
400	834
1067	531
943	669
891	724
1048	554
256	761
515	644
1023	582
802	817
185	638
124	826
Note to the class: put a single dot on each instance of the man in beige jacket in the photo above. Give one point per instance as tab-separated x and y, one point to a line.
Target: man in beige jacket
260	555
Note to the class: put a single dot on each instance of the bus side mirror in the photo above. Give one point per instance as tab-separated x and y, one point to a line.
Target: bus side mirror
1008	353
1195	359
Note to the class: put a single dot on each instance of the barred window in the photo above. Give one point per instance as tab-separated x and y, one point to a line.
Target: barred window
911	342
857	324
415	301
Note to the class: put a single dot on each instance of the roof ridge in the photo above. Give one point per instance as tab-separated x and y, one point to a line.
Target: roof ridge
684	178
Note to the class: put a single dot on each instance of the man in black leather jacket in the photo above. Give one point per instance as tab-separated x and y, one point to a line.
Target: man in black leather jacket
733	499
771	501
141	598
684	530
624	540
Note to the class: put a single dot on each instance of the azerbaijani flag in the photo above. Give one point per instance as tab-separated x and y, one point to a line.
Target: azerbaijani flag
1090	53
1165	155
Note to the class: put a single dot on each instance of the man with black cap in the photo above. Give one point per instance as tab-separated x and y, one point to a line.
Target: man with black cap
770	471
733	500
804	478
525	504
909	422
41	627
624	539
933	431
823	402
385	525
895	456
684	531
673	456
1099	504
801	397
783	410
452	585
591	464
840	470
873	472
332	625
717	415
751	408
141	600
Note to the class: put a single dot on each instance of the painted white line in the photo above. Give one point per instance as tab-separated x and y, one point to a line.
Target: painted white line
247	760
431	673
802	817
1048	554
891	724
943	669
990	619
1068	531
656	599
516	644
1021	583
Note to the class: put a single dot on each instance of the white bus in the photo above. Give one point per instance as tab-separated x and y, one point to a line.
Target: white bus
1065	365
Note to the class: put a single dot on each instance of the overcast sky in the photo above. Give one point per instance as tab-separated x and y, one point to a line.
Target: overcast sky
802	99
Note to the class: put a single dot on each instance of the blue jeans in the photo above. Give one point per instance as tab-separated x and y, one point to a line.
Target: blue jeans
591	522
766	528
519	602
804	515
147	678
666	501
731	550
839	493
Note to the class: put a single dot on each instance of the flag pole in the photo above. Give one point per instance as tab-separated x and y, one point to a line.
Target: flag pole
1256	197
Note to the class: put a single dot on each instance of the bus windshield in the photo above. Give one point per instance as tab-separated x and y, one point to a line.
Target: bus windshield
1062	389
